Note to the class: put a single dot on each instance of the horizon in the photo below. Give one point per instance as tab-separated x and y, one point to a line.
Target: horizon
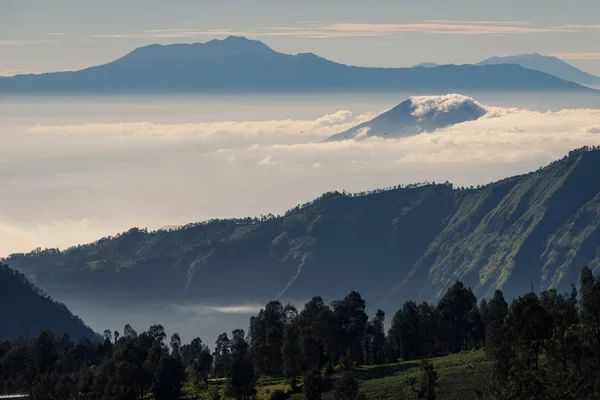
67	35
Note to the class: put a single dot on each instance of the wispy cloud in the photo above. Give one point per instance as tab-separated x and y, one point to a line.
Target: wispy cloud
172	33
581	27
55	34
441	27
317	29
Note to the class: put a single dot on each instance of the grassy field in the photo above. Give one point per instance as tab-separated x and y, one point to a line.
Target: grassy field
460	377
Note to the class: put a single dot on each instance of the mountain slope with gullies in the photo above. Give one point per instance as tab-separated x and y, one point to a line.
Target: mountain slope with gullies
402	243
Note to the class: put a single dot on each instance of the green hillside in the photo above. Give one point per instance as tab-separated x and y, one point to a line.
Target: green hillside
405	242
25	310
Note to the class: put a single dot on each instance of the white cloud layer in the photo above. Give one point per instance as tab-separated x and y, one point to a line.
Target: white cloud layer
222	130
68	180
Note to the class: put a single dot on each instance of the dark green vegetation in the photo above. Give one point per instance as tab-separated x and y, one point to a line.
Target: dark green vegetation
544	347
239	65
25	310
391	245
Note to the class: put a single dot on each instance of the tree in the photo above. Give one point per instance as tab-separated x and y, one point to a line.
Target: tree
428	328
428	381
532	326
266	338
313	384
198	361
291	353
222	356
353	320
129	332
175	345
563	312
169	376
406	332
377	326
241	379
454	306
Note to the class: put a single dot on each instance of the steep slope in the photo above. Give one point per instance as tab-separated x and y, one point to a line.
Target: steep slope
25	310
240	65
548	64
392	245
416	115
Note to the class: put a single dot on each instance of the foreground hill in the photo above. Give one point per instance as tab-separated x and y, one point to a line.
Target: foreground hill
537	229
237	64
25	310
548	64
416	115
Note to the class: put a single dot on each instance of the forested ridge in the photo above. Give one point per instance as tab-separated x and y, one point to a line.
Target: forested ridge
394	244
24	310
541	346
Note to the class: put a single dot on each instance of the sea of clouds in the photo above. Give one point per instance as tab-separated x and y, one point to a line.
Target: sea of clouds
70	182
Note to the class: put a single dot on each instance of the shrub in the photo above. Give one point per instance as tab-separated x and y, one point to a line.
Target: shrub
346	387
278	395
338	368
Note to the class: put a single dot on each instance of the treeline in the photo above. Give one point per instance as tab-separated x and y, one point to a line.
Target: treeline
544	346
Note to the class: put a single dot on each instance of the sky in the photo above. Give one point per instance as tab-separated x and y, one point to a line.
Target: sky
42	36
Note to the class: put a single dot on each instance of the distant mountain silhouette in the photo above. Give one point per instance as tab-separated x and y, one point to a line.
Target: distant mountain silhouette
548	64
237	64
416	115
427	65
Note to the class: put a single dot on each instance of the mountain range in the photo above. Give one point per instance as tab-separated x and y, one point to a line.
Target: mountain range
26	310
412	242
548	64
537	62
416	115
237	64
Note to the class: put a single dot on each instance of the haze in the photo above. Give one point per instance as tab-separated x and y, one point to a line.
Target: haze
76	169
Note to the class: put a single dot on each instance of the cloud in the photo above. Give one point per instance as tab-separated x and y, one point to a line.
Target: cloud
362	133
318	29
74	182
442	27
423	105
236	309
172	33
24	237
266	161
320	127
